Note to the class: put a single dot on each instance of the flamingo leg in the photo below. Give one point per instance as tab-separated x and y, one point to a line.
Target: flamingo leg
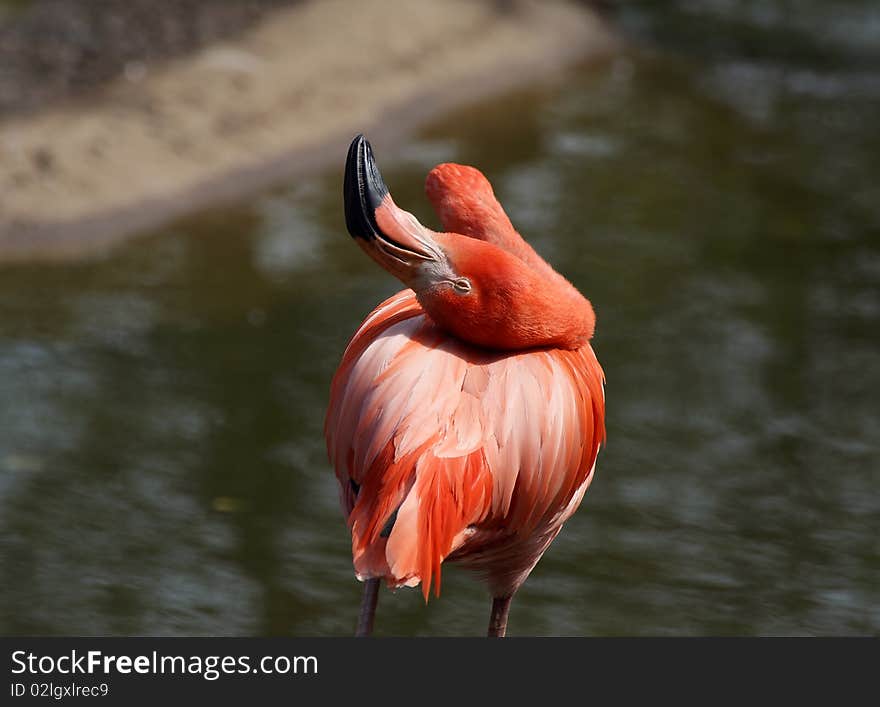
368	607
498	619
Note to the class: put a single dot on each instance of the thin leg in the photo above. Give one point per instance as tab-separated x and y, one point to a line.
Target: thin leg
368	607
498	619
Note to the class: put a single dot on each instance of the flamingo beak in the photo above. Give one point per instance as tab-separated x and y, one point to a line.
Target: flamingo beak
391	236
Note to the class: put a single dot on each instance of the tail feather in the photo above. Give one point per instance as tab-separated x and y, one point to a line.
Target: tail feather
434	506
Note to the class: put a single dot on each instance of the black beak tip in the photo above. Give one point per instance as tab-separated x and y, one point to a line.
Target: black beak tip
363	189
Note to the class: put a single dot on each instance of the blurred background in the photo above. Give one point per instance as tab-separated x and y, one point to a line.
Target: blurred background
713	187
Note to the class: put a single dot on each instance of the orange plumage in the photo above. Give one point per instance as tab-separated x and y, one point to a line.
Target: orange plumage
467	412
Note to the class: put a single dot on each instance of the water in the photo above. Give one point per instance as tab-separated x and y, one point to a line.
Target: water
714	192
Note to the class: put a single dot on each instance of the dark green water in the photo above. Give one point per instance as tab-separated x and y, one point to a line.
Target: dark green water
714	193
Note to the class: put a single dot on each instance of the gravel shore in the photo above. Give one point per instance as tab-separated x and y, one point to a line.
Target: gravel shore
148	113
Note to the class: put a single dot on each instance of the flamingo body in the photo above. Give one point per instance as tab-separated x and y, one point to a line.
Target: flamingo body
482	455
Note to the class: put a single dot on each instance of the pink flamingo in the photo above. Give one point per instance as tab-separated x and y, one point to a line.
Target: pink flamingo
467	412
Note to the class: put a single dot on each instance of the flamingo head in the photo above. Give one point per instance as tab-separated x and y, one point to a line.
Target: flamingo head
497	295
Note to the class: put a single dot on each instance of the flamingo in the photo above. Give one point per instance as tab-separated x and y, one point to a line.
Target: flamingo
467	412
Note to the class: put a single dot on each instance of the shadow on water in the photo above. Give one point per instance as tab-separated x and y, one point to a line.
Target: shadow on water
162	468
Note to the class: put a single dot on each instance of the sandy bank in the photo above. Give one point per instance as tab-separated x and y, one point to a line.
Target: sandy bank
283	98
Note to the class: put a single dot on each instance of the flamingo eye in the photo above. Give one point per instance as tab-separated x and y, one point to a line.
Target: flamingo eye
462	285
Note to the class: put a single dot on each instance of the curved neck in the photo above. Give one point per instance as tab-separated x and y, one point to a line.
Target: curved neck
465	203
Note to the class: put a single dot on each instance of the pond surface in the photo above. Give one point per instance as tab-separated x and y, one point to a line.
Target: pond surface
715	192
